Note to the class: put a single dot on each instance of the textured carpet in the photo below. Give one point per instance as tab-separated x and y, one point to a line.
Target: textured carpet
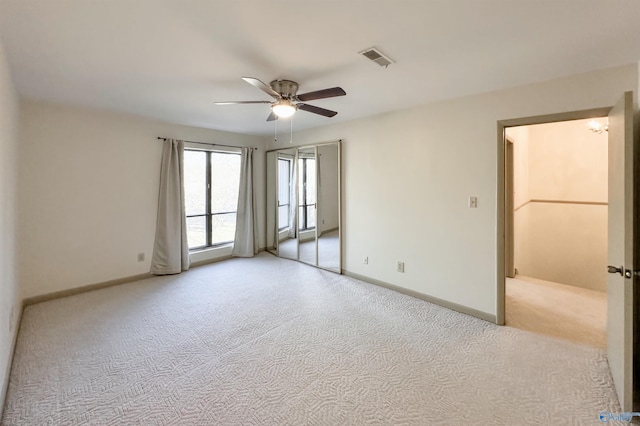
568	312
267	341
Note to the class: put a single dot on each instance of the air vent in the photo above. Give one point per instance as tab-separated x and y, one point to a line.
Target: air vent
376	56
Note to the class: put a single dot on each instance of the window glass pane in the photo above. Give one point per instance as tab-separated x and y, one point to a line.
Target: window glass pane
311	181
283	216
311	217
223	228
197	231
300	174
284	176
308	221
225	182
302	220
195	182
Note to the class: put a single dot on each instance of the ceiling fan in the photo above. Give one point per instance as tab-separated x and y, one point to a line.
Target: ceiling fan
287	101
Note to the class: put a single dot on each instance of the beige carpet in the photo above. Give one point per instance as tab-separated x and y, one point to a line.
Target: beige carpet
568	312
267	341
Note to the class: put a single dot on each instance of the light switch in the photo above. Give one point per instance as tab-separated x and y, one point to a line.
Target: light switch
473	202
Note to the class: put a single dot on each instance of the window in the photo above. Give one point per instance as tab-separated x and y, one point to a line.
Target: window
307	193
211	184
284	193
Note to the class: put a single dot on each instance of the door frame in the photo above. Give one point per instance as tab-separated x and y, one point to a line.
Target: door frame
501	258
509	240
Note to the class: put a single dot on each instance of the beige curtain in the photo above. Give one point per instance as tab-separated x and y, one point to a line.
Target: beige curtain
245	243
171	249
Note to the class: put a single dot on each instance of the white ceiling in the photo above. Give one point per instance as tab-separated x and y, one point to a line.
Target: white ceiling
171	59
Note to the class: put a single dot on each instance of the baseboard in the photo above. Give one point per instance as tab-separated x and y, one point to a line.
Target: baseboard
209	261
12	351
84	289
330	230
110	283
437	301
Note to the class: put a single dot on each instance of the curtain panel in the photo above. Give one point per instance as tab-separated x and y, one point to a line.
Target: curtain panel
246	239
171	249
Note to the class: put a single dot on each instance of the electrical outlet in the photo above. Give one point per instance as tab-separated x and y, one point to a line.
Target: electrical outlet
140	257
473	202
400	266
365	260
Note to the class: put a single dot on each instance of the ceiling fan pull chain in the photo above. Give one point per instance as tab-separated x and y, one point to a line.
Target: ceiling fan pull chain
275	130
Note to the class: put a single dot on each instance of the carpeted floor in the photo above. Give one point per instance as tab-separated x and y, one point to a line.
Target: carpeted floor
267	341
564	311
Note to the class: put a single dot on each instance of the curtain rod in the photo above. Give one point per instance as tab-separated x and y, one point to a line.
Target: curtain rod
213	144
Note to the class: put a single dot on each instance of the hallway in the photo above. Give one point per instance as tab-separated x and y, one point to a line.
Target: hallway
568	312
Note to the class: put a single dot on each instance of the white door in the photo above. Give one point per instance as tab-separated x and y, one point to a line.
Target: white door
621	248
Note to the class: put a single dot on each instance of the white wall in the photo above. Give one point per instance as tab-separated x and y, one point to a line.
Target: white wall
568	162
10	295
559	241
88	193
407	177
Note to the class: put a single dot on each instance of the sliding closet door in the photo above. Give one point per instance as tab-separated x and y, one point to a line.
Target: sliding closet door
307	205
272	202
287	202
303	204
328	163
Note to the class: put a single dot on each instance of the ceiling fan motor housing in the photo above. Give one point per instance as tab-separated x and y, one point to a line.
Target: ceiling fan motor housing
286	88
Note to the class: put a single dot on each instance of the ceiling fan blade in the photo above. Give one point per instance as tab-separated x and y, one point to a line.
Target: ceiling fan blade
262	86
272	117
317	110
321	94
242	102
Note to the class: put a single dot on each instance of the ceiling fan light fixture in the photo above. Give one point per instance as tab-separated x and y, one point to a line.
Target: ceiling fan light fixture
283	109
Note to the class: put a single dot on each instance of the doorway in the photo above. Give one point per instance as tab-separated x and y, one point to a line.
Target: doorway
556	229
623	269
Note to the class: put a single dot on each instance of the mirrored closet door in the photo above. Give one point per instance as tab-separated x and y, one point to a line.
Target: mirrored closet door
329	209
307	206
303	204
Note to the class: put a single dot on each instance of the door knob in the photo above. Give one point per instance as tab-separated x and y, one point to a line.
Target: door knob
615	270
